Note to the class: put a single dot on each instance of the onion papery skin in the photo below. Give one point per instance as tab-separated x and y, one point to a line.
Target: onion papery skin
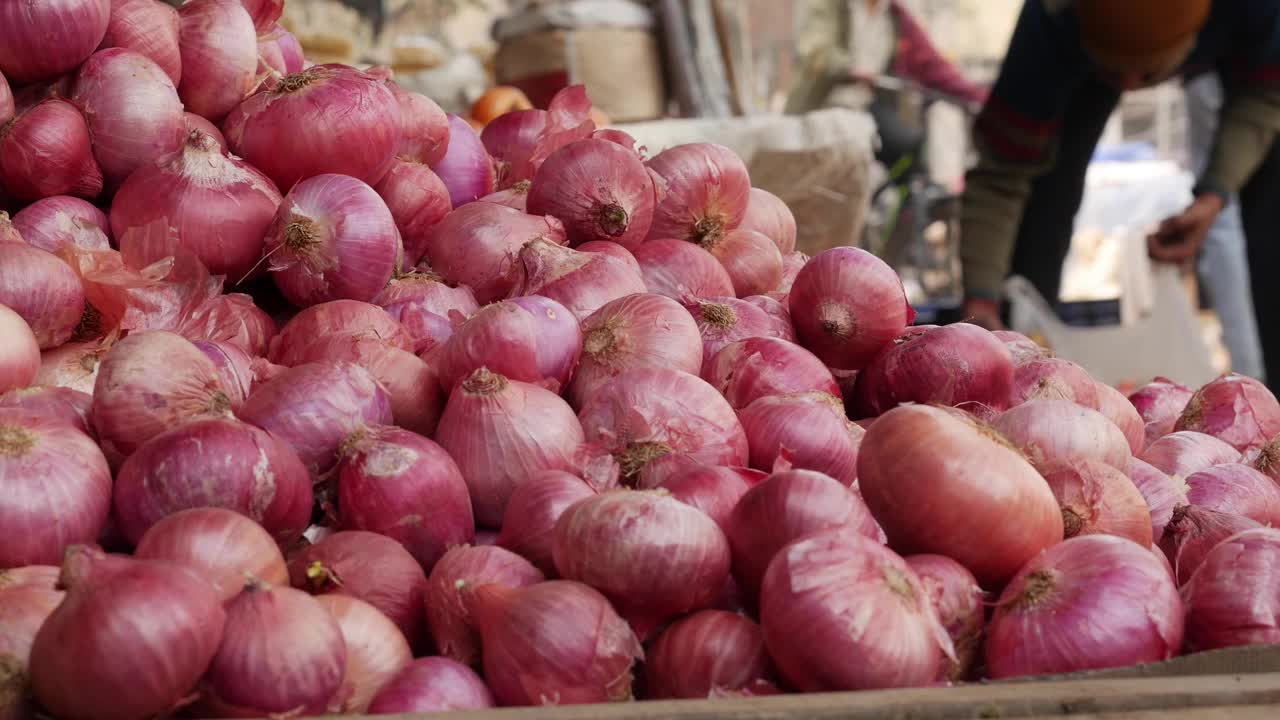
1052	433
429	329
376	651
751	259
57	488
23	609
502	432
478	246
975	498
466	167
40	42
424	136
768	215
337	317
960	603
400	484
43	290
1096	498
1054	379
726	320
7	107
959	365
715	490
1089	603
231	319
1234	598
1193	532
511	138
1236	409
1022	348
222	546
55	222
792	263
778	312
417	200
74	365
528	526
93	647
643	414
264	13
459	572
1160	403
234	365
1236	488
45	151
847	305
515	197
583	282
783	508
133	111
599	189
332	238
530	339
815	585
761	367
1162	492
706	192
557	642
1185	453
682	271
653	556
638	331
219	462
43	577
432	684
53	403
710	653
8	232
810	429
20	360
279	132
281	652
1117	408
152	382
149	28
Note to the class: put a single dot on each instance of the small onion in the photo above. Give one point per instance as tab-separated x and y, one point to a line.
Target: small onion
959	602
711	653
600	190
769	216
1234	598
1089	603
337	317
54	403
45	151
39	42
1054	379
581	281
417	200
376	651
43	290
760	367
20	359
727	320
149	28
751	259
715	490
478	246
1052	433
556	642
530	339
1193	532
55	222
528	526
1118	409
706	192
459	572
1236	488
1185	453
465	167
1162	493
23	609
424	127
810	429
222	546
1096	498
1236	409
432	684
682	271
1160	403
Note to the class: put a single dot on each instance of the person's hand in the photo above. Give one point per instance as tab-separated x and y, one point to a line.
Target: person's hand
1179	238
983	313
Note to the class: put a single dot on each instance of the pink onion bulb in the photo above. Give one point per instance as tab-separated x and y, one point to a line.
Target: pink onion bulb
711	653
55	222
465	168
45	151
222	546
432	684
682	271
93	659
431	312
768	215
751	259
1236	488
1186	452
351	318
43	290
462	570
1193	532
327	119
20	357
1096	498
528	526
761	367
23	609
424	127
581	281
959	602
1236	409
792	263
1089	603
231	319
1160	403
219	56
555	642
600	190
531	339
194	122
715	490
265	13
1234	598
1022	348
57	489
7	107
376	651
333	238
817	584
727	320
220	206
612	249
847	305
1162	493
809	429
1052	433
40	42
54	403
234	366
417	200
1054	379
706	192
512	138
1117	408
149	28
479	245
539	429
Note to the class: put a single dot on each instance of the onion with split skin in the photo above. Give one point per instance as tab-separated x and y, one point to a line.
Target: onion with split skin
1096	498
376	652
706	192
1185	453
55	222
43	41
462	570
961	607
1053	433
726	320
1234	598
599	189
531	339
792	263
432	684
1054	379
528	526
581	281
1193	532
221	545
417	200
1160	403
711	653
337	317
760	367
1236	409
809	429
43	290
682	271
46	151
479	245
1162	493
9	233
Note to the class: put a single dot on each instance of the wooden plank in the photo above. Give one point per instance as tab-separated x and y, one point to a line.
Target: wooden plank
1251	712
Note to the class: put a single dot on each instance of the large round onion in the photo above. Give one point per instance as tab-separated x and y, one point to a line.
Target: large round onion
43	290
337	317
1160	403
1096	498
1088	603
1193	531
45	151
814	588
222	546
376	652
43	41
682	271
23	609
1185	453
769	216
1162	493
219	56
727	320
1117	408
528	526
531	339
1053	433
760	367
54	403
599	189
465	167
940	482
432	684
959	602
1236	488
453	579
847	305
581	281
1234	598
809	429
706	190
147	27
1054	379
711	653
417	200
478	246
1236	409
56	222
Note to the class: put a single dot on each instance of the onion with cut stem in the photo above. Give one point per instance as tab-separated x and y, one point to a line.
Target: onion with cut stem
706	192
530	339
599	189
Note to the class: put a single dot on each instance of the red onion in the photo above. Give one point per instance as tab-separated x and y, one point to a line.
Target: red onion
20	358
528	526
93	658
768	215
707	189
538	429
711	653
1160	403
960	365
956	597
583	282
1053	433
231	319
726	320
57	488
432	684
759	367
74	365
219	462
600	190
531	339
195	123
234	366
478	246
1162	493
430	318
7	108
22	611
847	305
712	489
643	414
281	652
151	382
1194	531
417	200
779	313
1096	498
751	259
1054	379
337	317
940	482
54	222
45	151
1089	603
1113	404
841	612
1022	348
149	28
1236	488
465	168
637	331
325	119
792	263
653	556
1236	409
1234	598
511	138
279	55
39	42
376	652
809	428
424	127
43	290
53	403
133	111
1185	453
783	508
314	407
457	575
516	197
265	13
613	250
682	271
220	545
557	643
